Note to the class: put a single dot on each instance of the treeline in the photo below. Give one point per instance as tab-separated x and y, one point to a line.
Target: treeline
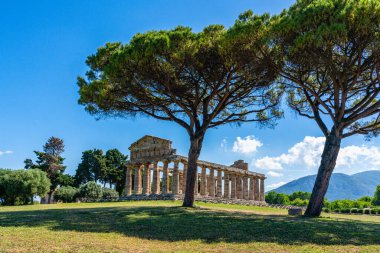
46	177
295	199
345	205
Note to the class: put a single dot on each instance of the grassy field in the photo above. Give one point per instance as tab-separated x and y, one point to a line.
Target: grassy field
164	226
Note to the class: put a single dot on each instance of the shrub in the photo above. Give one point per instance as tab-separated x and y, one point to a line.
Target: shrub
66	194
90	191
299	202
110	194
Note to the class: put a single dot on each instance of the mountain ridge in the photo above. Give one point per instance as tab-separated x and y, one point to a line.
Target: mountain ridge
342	186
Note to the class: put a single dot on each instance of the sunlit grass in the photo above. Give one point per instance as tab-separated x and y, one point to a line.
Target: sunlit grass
164	226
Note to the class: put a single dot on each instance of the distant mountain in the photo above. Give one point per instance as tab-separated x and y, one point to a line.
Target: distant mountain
341	186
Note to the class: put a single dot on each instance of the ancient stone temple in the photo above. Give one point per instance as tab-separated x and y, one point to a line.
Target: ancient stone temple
155	168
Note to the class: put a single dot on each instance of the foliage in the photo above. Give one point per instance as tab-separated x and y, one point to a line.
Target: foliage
328	56
66	194
92	167
300	195
50	161
347	204
197	80
110	194
20	186
299	202
376	197
115	169
295	199
66	180
365	199
103	168
277	198
90	191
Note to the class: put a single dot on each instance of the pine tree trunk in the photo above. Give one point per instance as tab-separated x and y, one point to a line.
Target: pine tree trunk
192	170
328	162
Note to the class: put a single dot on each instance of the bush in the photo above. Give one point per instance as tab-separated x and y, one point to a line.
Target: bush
66	194
90	191
110	194
299	202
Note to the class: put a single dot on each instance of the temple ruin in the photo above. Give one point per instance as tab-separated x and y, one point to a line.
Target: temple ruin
157	169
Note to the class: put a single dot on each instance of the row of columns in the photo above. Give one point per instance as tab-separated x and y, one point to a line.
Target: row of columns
235	185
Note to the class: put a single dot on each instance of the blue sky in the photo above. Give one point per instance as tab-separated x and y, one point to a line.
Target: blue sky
43	47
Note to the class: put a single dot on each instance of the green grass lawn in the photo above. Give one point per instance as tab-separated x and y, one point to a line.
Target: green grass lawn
164	226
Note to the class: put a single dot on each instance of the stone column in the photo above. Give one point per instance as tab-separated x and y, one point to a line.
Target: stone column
207	184
175	185
196	192
165	178
184	178
156	179
239	187
251	189
219	184
138	179
211	190
226	185
128	181
180	183
256	188
262	189
245	187
146	181
233	186
203	181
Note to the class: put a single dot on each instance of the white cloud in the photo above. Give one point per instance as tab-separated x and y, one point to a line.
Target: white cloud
307	154
351	155
275	185
274	174
247	145
269	163
7	152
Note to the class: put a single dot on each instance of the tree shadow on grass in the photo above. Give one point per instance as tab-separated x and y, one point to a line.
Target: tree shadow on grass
178	224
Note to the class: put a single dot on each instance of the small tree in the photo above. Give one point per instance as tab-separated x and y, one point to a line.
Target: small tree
66	194
91	191
197	80
50	161
376	197
20	186
331	55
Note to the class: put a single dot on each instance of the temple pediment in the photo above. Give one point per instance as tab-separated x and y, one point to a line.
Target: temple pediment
151	147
